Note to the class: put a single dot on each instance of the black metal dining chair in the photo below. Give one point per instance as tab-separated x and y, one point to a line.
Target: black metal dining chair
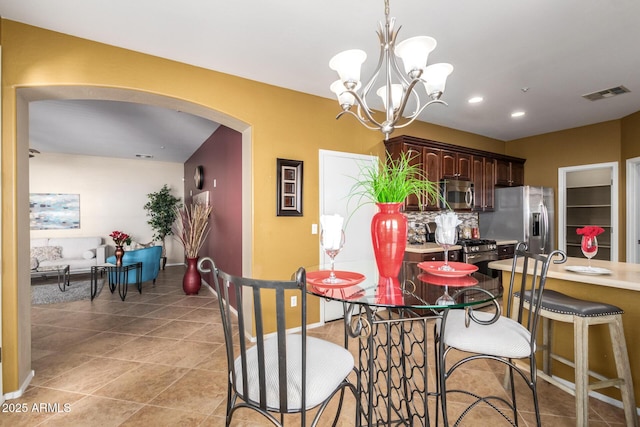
485	335
282	372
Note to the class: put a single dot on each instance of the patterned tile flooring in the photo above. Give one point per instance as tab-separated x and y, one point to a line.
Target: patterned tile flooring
157	359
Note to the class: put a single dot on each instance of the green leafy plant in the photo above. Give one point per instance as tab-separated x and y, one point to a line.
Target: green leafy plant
393	180
161	207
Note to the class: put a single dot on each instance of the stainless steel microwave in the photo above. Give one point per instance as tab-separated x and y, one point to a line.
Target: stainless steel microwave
457	194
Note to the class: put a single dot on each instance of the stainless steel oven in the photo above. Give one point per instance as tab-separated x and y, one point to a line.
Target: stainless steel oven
456	193
481	252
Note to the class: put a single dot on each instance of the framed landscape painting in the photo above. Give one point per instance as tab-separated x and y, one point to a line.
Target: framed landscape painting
53	211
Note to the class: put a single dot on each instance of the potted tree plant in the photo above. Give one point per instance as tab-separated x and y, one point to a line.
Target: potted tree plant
388	184
161	207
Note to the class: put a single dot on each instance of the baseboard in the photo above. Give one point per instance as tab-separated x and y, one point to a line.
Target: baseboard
18	393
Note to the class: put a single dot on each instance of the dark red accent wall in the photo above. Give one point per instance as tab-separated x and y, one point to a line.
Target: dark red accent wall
221	159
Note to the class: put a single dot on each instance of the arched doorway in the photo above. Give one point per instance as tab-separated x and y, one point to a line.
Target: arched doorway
26	95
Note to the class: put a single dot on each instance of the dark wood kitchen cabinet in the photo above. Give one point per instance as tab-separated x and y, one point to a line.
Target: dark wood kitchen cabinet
456	165
484	175
509	173
430	160
487	170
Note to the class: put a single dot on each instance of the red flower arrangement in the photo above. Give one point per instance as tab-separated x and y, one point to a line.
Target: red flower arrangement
590	231
120	238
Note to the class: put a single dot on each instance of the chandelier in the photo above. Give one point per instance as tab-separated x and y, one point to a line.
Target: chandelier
399	86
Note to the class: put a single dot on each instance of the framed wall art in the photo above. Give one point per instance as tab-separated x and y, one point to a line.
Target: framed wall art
202	198
53	211
289	183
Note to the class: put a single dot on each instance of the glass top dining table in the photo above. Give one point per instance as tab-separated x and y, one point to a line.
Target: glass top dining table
390	319
418	286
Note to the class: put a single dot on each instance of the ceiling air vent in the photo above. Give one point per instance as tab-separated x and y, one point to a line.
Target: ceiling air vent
607	93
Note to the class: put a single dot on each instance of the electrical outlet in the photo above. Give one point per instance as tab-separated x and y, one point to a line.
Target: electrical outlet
294	301
314	228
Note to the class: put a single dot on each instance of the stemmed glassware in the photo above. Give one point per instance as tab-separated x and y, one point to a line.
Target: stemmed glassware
445	299
589	246
446	237
332	246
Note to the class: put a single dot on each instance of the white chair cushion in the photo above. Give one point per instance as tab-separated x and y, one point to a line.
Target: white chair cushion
327	365
504	338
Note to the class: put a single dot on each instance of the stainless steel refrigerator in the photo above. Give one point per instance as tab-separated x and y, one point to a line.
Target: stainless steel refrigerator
522	214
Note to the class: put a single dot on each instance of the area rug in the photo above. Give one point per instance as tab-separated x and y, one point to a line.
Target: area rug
48	292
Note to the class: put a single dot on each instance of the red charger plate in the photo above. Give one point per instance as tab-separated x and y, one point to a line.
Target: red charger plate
432	279
346	294
348	278
459	268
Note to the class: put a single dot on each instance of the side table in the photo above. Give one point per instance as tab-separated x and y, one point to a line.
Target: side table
117	277
61	270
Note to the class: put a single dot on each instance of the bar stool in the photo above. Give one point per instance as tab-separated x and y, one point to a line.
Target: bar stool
563	308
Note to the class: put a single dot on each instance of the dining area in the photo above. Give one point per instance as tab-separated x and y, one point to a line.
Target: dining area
418	342
412	348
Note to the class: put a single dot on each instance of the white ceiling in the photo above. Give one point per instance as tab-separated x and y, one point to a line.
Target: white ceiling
559	50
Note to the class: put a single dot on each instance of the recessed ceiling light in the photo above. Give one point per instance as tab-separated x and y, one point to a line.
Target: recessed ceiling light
475	100
517	114
144	156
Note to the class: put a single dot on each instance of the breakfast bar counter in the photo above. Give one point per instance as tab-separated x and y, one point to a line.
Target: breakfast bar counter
618	285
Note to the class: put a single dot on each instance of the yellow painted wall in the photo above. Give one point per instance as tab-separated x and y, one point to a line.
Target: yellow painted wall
284	124
572	147
631	136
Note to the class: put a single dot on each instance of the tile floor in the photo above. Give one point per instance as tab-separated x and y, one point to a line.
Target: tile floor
157	359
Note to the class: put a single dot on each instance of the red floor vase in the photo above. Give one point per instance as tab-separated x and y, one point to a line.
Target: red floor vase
389	238
191	281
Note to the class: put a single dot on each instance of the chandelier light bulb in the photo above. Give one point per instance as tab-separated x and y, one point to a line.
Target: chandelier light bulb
414	53
348	65
435	78
396	95
345	99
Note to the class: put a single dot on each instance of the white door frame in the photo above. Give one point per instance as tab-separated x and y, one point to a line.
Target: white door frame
562	204
633	211
335	183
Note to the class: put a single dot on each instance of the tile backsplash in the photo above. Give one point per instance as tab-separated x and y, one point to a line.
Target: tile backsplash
417	223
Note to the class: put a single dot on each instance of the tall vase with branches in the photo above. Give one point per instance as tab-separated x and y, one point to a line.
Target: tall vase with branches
161	207
191	229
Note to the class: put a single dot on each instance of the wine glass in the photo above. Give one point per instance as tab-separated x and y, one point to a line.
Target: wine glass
446	237
589	246
445	299
332	247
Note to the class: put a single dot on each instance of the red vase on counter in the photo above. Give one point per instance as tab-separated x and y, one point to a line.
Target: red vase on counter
191	281
389	238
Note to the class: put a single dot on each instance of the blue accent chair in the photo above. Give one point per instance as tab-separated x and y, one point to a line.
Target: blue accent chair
150	259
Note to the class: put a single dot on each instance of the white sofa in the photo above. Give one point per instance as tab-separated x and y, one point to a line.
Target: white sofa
79	253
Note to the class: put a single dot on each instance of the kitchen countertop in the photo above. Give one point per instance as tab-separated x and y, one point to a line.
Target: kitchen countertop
427	248
623	275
